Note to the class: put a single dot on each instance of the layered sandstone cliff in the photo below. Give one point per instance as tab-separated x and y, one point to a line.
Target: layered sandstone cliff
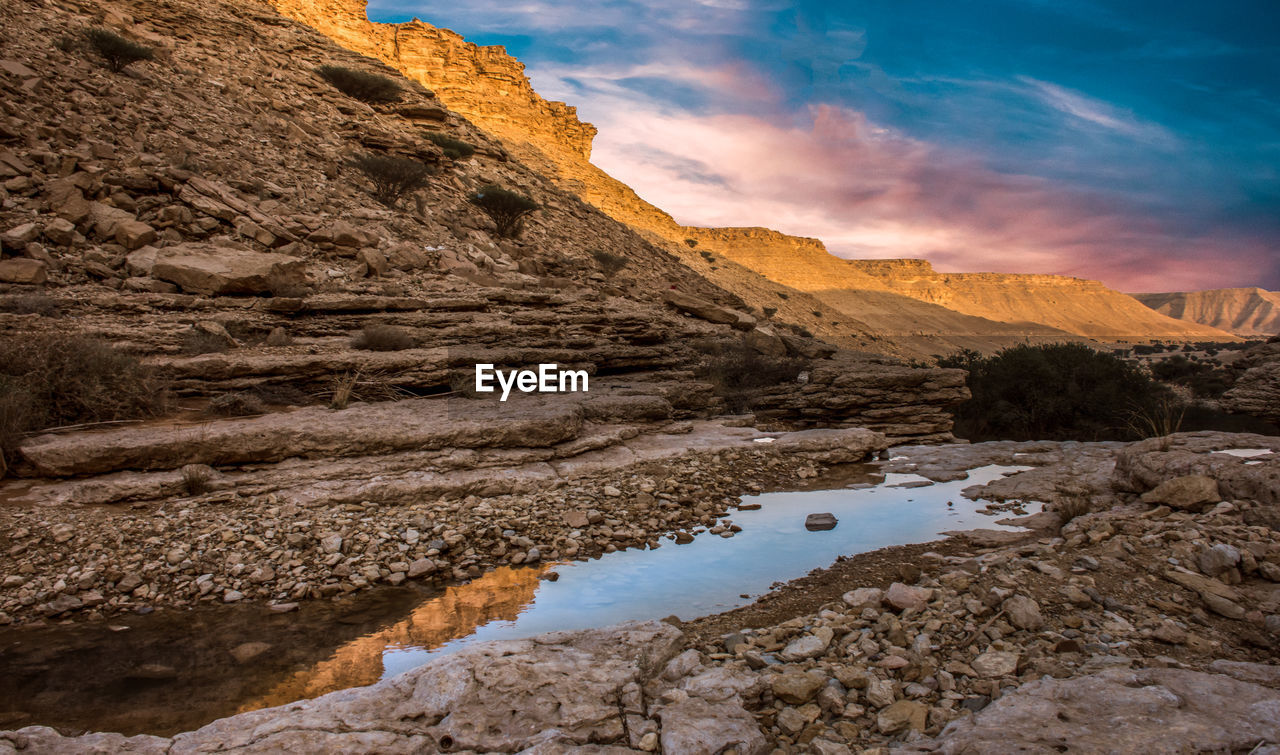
1248	312
986	310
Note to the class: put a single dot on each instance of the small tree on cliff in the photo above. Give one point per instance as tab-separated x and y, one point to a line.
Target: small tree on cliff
365	86
507	208
116	51
392	177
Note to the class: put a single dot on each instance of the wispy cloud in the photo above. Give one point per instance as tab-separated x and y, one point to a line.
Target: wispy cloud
1095	111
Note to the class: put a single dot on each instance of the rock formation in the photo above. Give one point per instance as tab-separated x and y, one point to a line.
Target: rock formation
1247	312
883	297
1257	390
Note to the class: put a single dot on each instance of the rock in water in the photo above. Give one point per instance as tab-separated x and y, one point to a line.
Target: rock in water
816	522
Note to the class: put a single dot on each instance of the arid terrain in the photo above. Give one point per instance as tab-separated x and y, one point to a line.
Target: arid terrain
238	380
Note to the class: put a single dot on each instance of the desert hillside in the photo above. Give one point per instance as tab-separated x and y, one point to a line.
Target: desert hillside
1248	312
489	87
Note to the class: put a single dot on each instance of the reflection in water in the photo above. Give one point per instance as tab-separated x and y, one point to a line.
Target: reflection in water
499	595
88	676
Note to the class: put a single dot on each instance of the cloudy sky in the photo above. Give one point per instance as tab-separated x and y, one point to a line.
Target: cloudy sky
1132	141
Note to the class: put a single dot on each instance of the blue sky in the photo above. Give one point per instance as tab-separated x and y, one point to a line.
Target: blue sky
1132	141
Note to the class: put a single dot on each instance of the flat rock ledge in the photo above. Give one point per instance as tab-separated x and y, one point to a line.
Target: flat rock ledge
1147	710
629	688
551	693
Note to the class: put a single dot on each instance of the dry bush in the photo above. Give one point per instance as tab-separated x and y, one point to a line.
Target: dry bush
55	380
196	342
610	264
342	388
506	208
195	479
365	86
116	51
454	149
238	404
392	177
382	338
30	304
738	372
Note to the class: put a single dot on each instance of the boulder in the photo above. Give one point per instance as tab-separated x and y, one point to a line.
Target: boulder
765	341
1023	612
375	262
219	271
701	308
16	239
134	234
904	597
864	597
698	727
1191	492
796	687
1256	392
24	271
901	716
1148	710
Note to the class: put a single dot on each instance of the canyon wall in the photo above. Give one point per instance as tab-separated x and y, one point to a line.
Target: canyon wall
1248	312
891	297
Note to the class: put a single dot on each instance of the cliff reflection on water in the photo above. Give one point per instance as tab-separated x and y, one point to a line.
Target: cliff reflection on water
496	596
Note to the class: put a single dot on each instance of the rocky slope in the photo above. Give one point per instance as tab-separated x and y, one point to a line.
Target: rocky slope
1247	312
200	212
1147	624
490	88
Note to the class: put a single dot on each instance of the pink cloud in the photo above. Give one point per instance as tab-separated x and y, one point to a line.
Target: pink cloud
870	192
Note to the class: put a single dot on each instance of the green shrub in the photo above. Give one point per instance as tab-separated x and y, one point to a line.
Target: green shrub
507	208
116	51
392	177
365	86
738	372
610	264
454	149
1054	392
1204	380
49	381
691	243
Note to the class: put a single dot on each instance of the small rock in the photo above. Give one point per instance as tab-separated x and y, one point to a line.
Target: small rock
904	597
818	522
1023	612
996	663
796	687
808	646
1218	559
902	715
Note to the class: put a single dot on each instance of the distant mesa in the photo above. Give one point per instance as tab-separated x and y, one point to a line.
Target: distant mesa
1247	312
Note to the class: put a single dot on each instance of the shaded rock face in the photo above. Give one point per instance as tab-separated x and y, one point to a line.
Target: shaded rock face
555	691
1150	710
899	401
1256	392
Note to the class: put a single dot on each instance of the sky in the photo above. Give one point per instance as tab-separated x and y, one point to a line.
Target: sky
1135	142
